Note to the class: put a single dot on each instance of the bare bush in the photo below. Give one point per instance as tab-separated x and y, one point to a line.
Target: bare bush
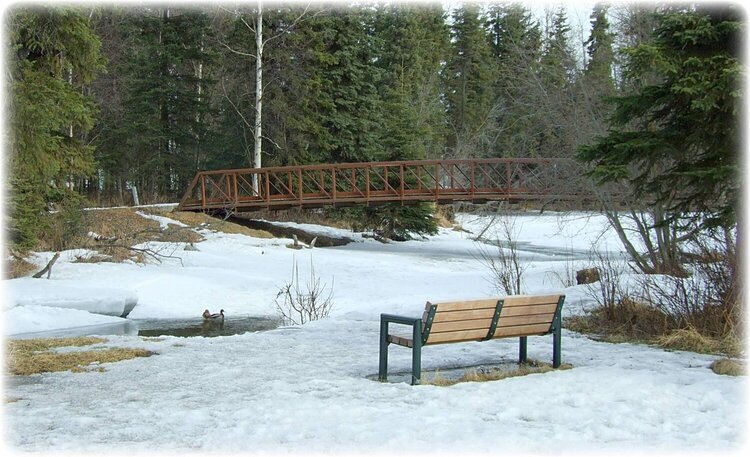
609	291
505	264
298	304
708	298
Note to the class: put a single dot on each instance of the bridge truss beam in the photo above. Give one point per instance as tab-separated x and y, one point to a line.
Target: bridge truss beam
372	183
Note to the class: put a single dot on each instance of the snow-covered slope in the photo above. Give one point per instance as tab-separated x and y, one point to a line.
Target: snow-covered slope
309	389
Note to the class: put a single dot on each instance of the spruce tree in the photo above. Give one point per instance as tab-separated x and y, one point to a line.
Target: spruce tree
413	45
599	51
468	78
54	55
558	63
676	140
515	39
166	116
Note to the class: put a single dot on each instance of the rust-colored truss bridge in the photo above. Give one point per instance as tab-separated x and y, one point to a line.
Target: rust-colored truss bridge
372	183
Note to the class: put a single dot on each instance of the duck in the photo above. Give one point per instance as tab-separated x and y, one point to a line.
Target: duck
216	316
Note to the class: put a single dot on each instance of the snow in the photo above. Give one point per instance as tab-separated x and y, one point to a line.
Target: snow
310	389
67	293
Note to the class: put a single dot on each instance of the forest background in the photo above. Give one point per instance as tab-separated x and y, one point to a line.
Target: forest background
107	98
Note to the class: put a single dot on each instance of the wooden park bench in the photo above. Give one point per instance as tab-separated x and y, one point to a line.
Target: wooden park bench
475	320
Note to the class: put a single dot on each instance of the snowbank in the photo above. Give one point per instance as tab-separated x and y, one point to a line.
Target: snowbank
75	294
29	319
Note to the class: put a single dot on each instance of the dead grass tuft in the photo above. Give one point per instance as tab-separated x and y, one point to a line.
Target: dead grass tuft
123	224
627	320
27	357
497	374
175	234
728	367
327	217
45	344
445	216
92	258
16	267
202	220
688	339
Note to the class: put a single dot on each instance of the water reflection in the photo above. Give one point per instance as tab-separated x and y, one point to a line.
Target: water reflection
206	328
173	327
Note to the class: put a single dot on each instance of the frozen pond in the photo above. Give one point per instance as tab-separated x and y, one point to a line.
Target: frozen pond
171	327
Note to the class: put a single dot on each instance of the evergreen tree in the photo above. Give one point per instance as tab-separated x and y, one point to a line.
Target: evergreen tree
677	140
343	108
558	63
413	45
515	39
54	55
163	130
597	84
469	77
599	50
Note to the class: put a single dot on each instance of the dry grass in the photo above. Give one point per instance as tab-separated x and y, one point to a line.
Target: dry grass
123	224
644	325
33	356
202	220
308	216
16	267
728	367
92	258
175	234
496	374
690	339
627	320
445	216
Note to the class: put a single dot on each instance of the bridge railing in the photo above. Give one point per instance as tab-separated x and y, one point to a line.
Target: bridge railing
379	182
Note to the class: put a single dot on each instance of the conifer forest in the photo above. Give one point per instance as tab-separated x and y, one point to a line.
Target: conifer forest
104	98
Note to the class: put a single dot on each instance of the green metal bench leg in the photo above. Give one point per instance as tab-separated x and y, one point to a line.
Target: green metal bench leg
383	369
522	352
416	354
556	343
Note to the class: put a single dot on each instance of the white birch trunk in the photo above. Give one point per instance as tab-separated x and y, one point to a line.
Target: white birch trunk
258	94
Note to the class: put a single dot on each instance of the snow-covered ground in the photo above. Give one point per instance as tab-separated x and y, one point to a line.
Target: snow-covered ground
310	388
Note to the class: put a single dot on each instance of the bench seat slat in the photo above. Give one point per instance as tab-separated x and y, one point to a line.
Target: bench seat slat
473	324
466	305
400	340
527	300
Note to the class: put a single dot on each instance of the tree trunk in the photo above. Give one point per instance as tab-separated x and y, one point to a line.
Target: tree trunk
258	94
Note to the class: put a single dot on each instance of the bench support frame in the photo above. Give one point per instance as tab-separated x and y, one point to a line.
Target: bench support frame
416	350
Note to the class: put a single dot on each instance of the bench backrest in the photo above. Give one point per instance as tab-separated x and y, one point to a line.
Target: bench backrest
501	317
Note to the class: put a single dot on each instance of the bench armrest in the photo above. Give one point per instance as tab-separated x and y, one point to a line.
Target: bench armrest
398	319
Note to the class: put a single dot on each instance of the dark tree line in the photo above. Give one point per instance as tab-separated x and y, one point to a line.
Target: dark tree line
107	98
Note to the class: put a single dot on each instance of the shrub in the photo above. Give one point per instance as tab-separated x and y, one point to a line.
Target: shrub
506	267
393	221
297	304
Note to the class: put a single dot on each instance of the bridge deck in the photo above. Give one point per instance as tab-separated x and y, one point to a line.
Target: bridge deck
371	183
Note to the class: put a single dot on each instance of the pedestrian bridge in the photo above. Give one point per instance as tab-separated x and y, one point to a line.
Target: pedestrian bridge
373	183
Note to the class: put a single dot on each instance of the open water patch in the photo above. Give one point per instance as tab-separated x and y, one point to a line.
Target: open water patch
235	325
205	328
